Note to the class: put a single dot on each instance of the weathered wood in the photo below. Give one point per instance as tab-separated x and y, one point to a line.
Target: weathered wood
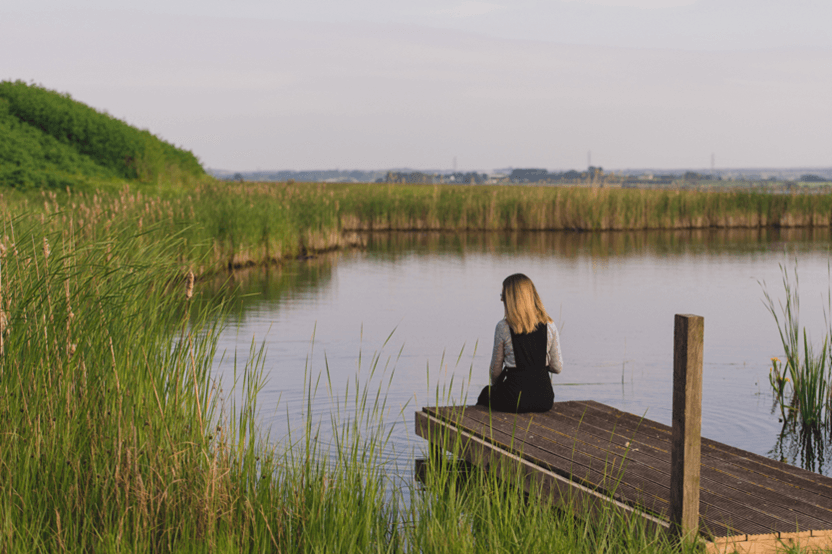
647	467
687	424
423	466
586	459
559	490
725	479
811	541
801	482
420	469
591	465
591	456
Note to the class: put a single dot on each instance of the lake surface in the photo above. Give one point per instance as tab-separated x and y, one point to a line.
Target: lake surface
613	295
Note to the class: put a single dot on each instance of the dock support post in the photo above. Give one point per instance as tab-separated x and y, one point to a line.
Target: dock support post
687	425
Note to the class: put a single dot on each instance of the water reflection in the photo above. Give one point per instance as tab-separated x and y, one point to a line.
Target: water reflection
809	448
251	287
570	244
256	286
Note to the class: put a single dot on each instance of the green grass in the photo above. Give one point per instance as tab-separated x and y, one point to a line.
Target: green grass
58	155
105	401
239	224
32	158
49	140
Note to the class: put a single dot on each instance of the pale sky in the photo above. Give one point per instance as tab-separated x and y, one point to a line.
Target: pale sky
372	84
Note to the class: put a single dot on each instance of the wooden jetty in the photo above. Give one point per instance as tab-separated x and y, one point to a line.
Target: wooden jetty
588	454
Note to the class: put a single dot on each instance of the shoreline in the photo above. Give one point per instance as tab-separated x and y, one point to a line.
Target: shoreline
220	225
356	239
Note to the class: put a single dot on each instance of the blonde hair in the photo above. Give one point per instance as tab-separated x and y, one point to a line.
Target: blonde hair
524	309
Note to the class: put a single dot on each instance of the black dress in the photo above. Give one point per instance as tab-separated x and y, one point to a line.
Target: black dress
527	387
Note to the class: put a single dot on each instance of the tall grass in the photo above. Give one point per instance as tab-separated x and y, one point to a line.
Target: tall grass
115	435
383	207
107	406
239	224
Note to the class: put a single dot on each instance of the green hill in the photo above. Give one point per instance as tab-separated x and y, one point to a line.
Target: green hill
49	140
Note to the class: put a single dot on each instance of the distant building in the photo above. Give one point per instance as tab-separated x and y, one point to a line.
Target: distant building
417	177
531	175
496	178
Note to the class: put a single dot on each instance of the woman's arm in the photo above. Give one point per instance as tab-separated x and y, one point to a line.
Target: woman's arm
497	353
554	358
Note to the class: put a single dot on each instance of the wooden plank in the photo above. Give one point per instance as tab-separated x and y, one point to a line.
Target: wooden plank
589	465
721	501
792	478
558	455
795	476
556	488
810	541
586	443
793	514
644	474
803	509
747	499
688	340
796	495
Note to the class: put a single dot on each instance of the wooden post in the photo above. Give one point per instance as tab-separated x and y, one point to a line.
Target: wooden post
687	425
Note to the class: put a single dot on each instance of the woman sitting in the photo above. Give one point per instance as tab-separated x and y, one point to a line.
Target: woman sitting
526	350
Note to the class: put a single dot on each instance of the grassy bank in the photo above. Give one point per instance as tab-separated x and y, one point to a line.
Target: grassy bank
237	224
50	141
571	208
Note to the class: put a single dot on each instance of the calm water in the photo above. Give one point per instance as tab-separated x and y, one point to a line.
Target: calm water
614	296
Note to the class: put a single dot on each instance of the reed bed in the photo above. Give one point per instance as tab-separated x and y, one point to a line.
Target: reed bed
239	224
112	439
446	207
117	438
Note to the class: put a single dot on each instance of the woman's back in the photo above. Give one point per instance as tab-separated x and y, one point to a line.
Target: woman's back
523	362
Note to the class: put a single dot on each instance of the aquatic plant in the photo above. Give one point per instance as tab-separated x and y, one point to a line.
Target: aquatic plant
802	384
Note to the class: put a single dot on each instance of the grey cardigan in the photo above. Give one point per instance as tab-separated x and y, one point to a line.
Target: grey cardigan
503	353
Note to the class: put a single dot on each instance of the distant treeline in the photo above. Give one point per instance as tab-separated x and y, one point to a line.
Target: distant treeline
309	176
418	177
49	140
533	175
518	176
592	176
